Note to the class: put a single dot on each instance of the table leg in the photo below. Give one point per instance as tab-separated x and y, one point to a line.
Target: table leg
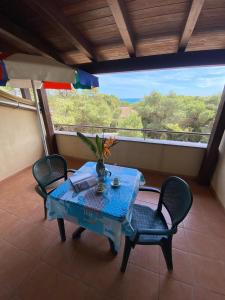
77	233
112	247
62	229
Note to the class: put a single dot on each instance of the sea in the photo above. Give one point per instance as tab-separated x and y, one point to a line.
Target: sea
131	100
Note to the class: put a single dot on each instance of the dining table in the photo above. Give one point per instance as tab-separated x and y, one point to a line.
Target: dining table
107	213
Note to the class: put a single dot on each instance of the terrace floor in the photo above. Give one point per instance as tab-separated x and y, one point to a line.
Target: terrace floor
35	265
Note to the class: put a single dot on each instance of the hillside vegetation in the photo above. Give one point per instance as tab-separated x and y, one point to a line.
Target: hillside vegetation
156	112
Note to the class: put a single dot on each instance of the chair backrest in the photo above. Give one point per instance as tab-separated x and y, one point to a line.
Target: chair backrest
49	169
177	198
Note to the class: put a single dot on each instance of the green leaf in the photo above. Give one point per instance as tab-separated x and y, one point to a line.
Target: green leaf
99	145
88	142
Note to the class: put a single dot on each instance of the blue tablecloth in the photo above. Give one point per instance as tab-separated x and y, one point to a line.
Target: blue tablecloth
108	213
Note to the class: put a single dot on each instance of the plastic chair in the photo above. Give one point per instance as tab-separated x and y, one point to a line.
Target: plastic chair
150	225
48	170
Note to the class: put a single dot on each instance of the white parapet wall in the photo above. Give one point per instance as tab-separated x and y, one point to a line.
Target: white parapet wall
169	157
218	181
20	140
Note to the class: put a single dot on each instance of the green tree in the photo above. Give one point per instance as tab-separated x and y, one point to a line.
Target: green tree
177	113
156	111
131	121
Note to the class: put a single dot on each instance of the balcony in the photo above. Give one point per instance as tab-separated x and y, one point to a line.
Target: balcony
35	264
108	37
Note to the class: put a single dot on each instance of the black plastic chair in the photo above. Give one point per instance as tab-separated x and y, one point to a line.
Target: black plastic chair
150	225
48	170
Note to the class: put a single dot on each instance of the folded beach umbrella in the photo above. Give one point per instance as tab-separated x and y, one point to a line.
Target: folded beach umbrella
33	67
24	83
3	74
84	80
57	85
52	73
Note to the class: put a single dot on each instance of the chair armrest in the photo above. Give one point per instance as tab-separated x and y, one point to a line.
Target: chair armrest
149	189
40	192
71	171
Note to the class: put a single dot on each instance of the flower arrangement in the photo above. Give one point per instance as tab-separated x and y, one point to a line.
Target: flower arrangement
101	149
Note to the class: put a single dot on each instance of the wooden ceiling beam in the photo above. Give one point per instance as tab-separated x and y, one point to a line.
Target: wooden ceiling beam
54	16
154	62
192	19
121	19
21	39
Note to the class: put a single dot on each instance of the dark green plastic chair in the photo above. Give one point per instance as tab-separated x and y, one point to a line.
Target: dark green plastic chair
48	170
150	225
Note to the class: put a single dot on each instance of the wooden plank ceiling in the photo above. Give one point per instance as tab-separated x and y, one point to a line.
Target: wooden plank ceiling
83	31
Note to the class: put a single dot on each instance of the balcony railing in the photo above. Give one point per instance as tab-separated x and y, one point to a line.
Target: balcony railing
137	133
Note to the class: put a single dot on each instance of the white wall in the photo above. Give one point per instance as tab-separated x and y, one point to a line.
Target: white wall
20	141
218	181
172	159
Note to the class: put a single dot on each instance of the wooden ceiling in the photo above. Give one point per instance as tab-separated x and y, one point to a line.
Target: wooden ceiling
89	32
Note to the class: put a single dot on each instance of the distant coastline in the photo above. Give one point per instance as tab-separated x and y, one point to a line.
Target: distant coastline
130	100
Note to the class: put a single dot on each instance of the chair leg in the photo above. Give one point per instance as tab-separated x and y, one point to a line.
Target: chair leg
167	252
77	233
112	247
62	229
126	254
45	210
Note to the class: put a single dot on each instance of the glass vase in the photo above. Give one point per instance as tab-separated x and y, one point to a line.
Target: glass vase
100	168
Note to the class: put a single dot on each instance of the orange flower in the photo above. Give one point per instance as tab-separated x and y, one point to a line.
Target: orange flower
106	152
109	142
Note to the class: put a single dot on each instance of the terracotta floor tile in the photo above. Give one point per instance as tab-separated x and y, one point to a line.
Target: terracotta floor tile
95	266
205	245
182	269
15	297
218	228
100	270
37	217
15	265
197	223
135	283
179	240
208	273
75	257
35	264
31	238
203	294
7	222
62	256
174	290
20	206
213	210
205	225
197	206
146	257
47	283
5	293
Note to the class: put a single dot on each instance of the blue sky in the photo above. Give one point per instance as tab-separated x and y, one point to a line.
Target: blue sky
185	81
